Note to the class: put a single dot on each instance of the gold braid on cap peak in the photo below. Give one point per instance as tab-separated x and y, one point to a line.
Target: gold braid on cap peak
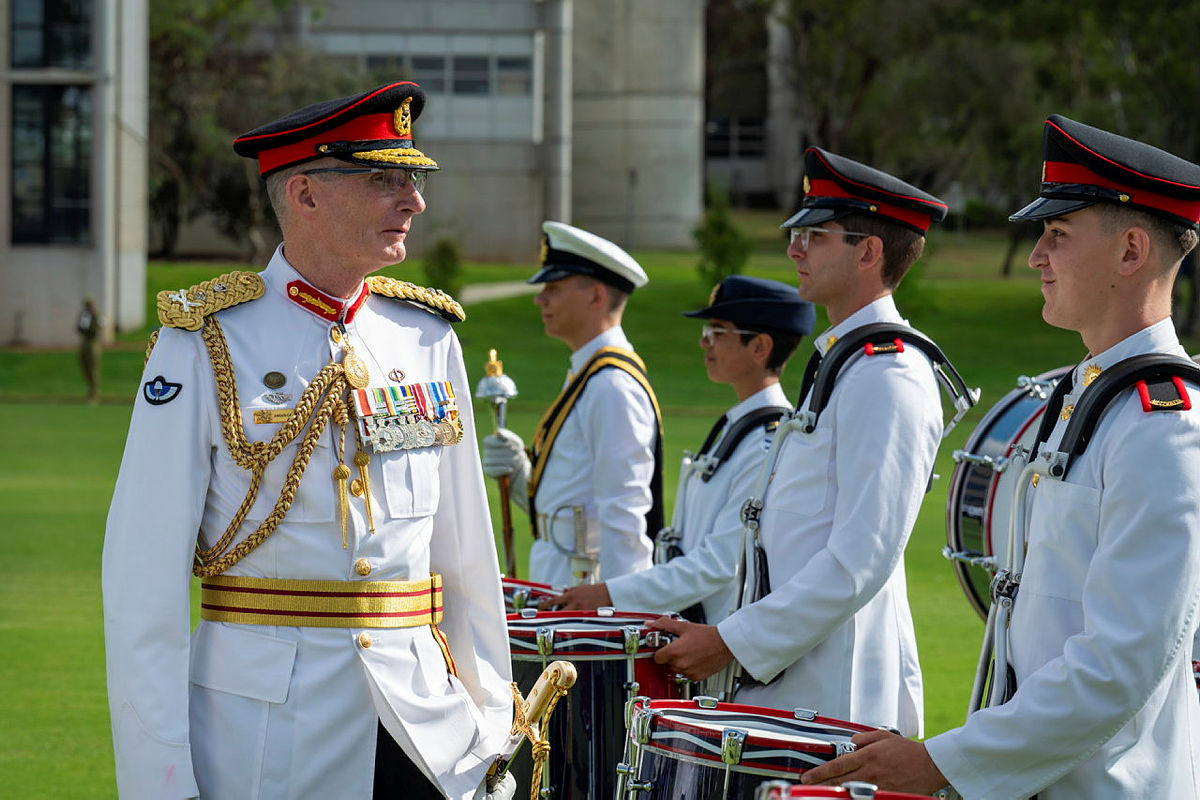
187	308
433	300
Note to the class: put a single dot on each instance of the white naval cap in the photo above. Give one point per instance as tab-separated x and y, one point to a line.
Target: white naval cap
567	250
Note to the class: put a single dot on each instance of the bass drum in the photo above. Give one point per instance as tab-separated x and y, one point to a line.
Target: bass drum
979	503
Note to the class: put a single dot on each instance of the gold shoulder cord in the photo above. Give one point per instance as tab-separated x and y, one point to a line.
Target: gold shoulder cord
323	400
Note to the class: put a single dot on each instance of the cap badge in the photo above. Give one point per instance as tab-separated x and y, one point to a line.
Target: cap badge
545	249
402	119
712	297
807	185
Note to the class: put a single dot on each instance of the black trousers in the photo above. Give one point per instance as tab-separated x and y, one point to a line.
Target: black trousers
396	776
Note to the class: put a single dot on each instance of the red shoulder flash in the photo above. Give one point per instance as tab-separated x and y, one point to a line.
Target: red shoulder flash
895	346
1166	394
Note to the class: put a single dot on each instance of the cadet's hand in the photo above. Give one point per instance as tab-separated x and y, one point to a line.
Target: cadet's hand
578	598
697	653
504	454
885	759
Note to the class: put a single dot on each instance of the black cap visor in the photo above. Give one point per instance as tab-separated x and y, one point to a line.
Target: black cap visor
556	272
1047	207
817	210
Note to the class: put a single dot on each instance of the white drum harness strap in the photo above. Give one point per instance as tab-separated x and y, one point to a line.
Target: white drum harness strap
1148	372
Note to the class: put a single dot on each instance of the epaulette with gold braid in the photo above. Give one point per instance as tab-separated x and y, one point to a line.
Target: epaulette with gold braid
187	308
433	300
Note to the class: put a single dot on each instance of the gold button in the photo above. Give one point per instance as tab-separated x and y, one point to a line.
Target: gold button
364	640
336	335
1035	478
362	567
356	488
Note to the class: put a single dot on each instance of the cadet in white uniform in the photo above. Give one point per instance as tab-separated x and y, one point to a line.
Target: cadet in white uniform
1100	640
352	633
832	632
592	480
752	326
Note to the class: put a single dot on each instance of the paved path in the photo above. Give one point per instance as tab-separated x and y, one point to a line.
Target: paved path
481	292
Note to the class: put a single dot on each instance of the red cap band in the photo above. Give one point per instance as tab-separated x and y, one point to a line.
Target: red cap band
824	187
1071	172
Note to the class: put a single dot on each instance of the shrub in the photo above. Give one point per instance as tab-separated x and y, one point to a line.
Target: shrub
723	247
443	266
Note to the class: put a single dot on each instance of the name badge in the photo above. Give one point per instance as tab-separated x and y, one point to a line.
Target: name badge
408	417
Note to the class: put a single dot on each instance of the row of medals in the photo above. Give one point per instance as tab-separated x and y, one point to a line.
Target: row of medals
401	432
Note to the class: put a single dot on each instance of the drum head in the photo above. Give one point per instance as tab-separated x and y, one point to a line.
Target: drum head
981	494
582	635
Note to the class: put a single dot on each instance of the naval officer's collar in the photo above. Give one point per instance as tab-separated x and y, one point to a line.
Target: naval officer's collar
881	310
284	279
613	337
773	395
1157	338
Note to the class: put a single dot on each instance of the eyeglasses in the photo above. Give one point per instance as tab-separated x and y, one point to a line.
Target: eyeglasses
804	234
388	181
709	332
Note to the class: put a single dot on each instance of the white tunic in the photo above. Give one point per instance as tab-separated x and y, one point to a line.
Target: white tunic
838	513
1102	630
602	462
251	711
711	528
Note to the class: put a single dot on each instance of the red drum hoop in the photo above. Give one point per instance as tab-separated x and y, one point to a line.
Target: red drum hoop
702	748
979	501
855	790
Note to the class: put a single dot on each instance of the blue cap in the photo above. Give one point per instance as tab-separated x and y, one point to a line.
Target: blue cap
759	304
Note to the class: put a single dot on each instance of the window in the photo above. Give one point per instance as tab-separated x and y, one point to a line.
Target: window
429	72
52	33
514	75
471	75
51	164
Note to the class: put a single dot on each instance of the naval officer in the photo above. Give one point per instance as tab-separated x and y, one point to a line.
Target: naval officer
591	480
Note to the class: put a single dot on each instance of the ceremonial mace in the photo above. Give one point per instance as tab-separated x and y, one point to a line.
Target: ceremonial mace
498	387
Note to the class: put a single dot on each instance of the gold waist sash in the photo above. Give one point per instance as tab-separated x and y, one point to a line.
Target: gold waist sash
322	604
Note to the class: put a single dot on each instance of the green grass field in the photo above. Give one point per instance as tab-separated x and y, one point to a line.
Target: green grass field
63	456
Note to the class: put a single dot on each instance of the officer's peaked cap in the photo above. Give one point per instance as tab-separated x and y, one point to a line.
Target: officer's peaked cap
836	186
372	129
758	304
1085	165
567	250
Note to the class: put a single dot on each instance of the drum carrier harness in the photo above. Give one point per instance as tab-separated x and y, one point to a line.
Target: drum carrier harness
1151	373
820	375
705	466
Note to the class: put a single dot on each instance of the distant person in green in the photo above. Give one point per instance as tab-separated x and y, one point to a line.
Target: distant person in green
89	348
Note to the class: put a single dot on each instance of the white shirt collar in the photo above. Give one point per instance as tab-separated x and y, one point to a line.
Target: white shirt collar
773	395
1157	338
613	337
881	310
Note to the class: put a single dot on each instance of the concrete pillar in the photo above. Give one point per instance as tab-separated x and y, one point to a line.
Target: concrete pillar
785	155
557	141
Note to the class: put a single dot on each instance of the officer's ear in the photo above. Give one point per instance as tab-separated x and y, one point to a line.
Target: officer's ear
1134	243
870	253
300	190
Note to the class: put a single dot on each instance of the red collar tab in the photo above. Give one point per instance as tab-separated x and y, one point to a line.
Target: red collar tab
325	306
1074	173
824	187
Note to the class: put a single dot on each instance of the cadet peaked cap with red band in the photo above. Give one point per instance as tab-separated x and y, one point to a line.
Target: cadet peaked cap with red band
372	129
835	187
567	251
1085	165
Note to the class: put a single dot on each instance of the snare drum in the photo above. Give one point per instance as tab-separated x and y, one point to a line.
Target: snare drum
613	652
981	488
524	594
853	790
701	749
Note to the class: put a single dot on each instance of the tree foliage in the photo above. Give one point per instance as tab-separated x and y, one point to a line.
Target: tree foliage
724	248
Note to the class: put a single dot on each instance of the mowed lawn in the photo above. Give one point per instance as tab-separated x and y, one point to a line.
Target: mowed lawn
62	458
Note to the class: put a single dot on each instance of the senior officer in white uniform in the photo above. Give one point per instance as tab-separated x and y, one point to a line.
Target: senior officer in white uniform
592	479
752	326
834	633
324	664
1101	635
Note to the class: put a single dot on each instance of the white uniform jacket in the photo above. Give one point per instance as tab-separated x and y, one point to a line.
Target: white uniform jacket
712	530
250	711
602	462
1101	635
838	513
